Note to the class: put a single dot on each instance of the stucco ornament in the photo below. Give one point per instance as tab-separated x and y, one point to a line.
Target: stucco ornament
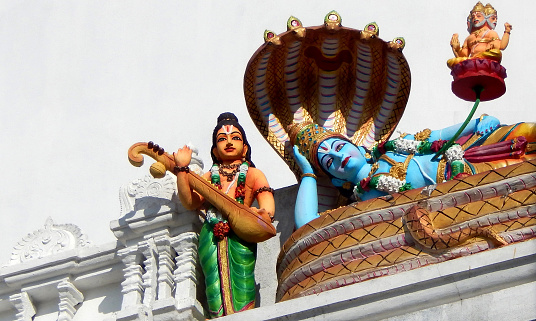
51	239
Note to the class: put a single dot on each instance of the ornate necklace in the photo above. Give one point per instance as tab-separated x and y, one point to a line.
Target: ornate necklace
231	166
231	174
477	32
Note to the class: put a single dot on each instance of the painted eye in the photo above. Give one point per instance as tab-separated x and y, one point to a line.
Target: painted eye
221	139
237	138
329	162
339	147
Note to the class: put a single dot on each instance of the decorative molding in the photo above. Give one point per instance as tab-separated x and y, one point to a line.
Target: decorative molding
23	304
132	286
148	248
148	192
70	297
166	264
187	272
52	239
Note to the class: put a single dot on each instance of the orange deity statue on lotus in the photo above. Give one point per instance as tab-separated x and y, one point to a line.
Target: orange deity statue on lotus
483	41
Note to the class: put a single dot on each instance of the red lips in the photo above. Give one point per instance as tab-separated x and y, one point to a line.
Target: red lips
345	161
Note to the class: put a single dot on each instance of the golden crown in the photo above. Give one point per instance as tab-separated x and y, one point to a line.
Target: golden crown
308	136
487	10
479	7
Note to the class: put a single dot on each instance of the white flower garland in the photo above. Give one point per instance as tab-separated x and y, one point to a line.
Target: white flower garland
243	168
406	146
389	184
454	153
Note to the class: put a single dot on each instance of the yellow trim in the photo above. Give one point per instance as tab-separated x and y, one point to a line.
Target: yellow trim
225	282
441	170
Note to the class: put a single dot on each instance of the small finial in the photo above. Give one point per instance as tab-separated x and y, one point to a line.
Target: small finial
398	43
271	37
371	30
296	25
333	20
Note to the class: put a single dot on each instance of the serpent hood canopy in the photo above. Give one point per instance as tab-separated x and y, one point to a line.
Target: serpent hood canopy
346	80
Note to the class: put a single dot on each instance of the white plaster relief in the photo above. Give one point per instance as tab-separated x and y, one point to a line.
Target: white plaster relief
187	272
70	297
132	286
23	304
166	265
52	239
150	192
148	248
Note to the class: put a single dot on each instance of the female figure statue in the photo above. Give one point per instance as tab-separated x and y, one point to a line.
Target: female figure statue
227	261
401	164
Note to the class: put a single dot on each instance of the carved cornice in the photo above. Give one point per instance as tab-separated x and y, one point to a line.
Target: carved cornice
51	239
24	306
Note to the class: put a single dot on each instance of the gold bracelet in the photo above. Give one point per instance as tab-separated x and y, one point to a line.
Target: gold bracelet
482	117
308	175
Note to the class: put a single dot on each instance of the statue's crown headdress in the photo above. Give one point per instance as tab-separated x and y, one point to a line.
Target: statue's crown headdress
489	10
308	136
479	7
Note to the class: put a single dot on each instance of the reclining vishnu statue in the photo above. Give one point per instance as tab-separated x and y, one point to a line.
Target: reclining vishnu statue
403	163
370	204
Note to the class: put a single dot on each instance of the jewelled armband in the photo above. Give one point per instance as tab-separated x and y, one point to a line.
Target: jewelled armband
263	189
178	169
308	175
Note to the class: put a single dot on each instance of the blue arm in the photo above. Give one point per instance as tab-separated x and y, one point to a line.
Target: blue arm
484	126
306	208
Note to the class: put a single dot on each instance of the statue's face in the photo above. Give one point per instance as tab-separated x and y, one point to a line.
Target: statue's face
477	19
492	21
229	144
340	158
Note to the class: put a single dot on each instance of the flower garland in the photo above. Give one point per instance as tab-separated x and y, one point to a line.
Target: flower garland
406	146
220	225
390	183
